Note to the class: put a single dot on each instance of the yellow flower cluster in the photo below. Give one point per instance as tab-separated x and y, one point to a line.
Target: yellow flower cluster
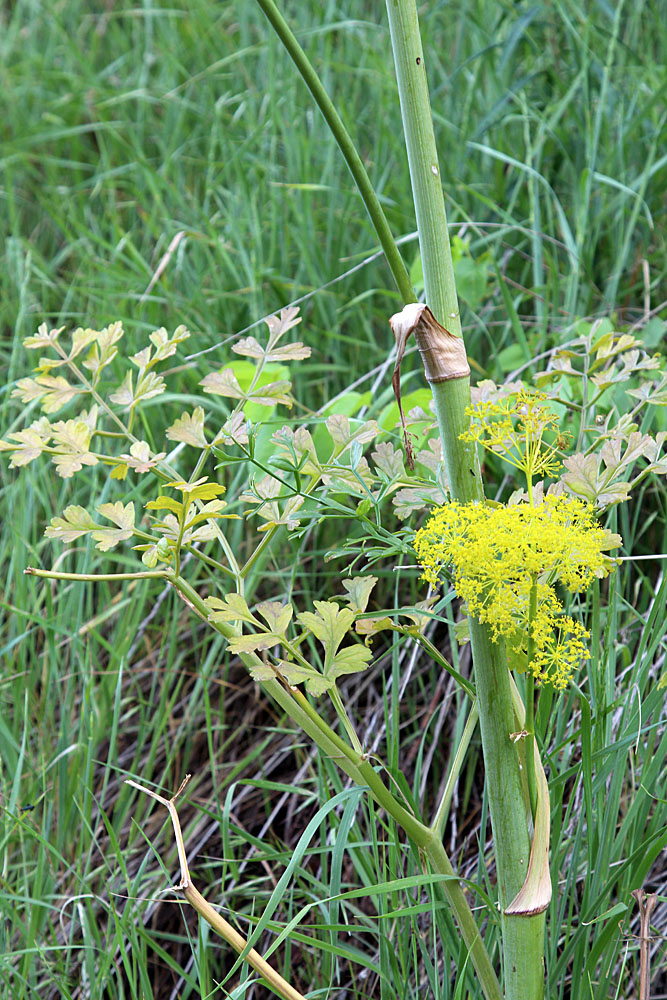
499	553
514	427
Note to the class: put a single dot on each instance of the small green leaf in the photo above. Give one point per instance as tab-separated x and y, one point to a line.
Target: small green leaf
122	516
189	428
359	591
388	460
276	615
252	643
251	348
223	383
43	338
165	503
233	608
53	391
75	522
71	438
350	660
328	623
165	345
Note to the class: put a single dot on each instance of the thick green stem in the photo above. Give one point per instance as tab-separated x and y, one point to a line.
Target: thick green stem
439	283
346	146
523	944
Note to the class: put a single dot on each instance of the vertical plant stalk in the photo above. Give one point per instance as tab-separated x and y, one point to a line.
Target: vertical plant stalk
523	936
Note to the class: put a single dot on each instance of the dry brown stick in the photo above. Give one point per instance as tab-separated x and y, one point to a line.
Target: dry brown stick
205	910
647	904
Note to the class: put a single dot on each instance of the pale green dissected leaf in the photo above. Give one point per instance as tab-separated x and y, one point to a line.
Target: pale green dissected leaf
388	460
170	527
124	394
200	489
122	516
350	660
142	358
233	608
342	480
272	394
81	339
295	674
328	623
140	458
252	643
71	439
431	456
617	458
165	503
276	615
148	386
412	499
75	522
274	515
251	348
342	434
261	672
53	391
43	338
279	325
103	350
651	392
359	591
165	345
297	444
189	428
29	443
234	430
317	684
47	364
269	508
266	488
223	383
370	626
583	479
292	672
608	346
210	510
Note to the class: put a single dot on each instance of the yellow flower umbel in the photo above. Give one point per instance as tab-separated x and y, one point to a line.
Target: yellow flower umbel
514	426
506	560
498	554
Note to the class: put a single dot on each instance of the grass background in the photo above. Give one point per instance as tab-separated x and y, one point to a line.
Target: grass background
125	126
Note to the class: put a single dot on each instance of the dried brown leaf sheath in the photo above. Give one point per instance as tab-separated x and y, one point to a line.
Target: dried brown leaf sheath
443	354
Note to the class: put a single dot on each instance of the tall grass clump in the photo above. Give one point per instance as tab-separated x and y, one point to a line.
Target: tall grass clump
328	602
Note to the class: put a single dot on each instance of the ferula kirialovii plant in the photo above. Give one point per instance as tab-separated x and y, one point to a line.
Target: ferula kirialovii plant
512	565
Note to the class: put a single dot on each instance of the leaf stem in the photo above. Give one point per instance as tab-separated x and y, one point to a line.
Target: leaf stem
346	146
50	574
